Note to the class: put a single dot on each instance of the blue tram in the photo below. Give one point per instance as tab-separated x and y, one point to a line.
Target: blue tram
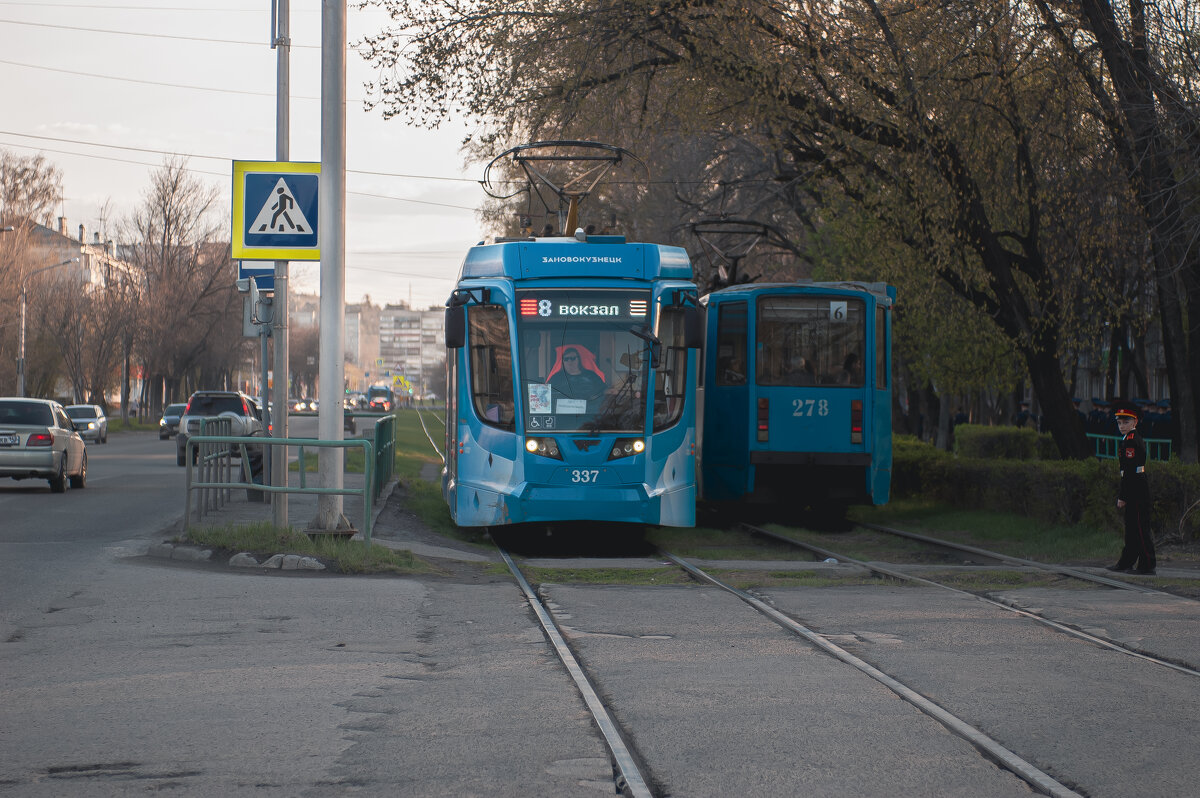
796	395
571	379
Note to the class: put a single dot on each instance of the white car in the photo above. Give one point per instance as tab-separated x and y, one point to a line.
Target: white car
38	440
90	421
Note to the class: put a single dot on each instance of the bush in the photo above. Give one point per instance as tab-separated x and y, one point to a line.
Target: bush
1003	443
1058	492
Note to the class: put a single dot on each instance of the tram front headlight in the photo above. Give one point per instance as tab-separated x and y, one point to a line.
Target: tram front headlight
544	447
626	447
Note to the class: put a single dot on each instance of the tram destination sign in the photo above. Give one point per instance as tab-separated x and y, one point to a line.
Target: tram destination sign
581	305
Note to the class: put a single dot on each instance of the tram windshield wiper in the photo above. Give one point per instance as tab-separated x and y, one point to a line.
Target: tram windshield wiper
652	343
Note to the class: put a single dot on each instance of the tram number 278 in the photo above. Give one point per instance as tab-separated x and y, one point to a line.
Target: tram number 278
810	407
585	475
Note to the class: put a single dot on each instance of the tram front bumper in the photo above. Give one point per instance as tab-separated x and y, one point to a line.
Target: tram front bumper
632	504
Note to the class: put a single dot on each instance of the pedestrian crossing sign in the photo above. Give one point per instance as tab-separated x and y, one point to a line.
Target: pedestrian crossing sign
275	211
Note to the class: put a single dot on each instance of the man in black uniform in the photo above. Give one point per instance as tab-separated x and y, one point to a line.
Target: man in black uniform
1134	496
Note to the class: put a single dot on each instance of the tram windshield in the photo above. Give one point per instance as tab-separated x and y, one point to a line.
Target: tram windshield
582	368
810	340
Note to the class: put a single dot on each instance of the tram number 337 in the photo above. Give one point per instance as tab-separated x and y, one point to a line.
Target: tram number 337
810	407
584	475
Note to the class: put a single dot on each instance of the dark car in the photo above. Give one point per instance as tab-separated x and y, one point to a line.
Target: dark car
168	425
234	405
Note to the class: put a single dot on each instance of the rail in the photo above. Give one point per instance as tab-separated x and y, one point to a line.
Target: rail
214	492
1104	447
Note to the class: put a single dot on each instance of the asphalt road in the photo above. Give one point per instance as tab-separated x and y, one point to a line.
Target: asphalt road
122	674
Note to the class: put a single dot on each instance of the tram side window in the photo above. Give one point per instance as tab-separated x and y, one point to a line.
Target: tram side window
670	379
491	365
731	344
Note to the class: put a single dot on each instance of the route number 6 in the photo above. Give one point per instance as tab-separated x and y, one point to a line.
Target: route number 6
584	475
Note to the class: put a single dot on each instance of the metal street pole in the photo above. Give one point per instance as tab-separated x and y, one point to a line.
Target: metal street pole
21	347
332	203
21	333
283	47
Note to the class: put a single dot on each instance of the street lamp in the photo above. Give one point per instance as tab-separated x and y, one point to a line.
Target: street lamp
21	334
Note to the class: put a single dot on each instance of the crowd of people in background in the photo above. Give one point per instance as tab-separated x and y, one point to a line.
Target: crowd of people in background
1098	419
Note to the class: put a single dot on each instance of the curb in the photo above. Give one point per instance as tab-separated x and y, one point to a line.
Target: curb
188	553
185	552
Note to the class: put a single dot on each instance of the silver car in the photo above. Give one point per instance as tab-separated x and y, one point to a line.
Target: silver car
90	421
38	440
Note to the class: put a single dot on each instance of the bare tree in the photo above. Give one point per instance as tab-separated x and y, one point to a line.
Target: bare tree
189	322
29	188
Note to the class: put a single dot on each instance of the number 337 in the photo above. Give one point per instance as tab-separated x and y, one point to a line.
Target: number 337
805	407
584	475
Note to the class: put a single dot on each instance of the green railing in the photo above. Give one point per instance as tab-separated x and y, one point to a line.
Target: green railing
209	487
1105	447
385	452
384	436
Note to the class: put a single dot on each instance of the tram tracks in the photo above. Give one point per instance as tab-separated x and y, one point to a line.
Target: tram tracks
631	776
893	573
630	780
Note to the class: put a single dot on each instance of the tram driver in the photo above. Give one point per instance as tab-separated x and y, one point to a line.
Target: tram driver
575	377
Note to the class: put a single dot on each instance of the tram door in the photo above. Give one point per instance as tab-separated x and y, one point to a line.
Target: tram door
451	444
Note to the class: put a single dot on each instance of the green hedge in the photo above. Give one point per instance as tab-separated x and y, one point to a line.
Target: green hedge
1008	443
1065	492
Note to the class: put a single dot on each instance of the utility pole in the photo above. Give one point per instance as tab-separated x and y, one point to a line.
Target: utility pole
332	203
282	42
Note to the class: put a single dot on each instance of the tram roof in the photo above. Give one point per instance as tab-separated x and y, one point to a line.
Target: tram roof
593	256
883	292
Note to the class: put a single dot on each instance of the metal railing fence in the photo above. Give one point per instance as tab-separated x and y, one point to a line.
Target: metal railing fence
1105	447
210	486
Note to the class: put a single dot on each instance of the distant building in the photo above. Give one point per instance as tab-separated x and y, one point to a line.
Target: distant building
98	263
382	343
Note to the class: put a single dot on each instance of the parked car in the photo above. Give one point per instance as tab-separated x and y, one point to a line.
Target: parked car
234	405
90	421
38	440
168	425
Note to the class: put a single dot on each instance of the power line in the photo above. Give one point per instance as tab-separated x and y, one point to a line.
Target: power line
150	82
40	4
149	35
225	175
211	157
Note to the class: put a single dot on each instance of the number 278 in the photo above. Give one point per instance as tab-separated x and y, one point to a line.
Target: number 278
805	407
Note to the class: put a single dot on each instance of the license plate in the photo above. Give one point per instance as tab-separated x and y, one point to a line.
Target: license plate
9	440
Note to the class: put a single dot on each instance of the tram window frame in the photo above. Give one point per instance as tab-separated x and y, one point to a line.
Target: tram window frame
671	374
882	346
621	357
836	329
490	366
732	339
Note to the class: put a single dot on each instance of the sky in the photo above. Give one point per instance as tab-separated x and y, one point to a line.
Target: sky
107	90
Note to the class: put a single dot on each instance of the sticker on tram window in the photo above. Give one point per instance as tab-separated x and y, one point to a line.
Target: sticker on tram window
539	397
837	311
572	407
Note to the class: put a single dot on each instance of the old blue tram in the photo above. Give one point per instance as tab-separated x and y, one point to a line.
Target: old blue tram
796	395
571	379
